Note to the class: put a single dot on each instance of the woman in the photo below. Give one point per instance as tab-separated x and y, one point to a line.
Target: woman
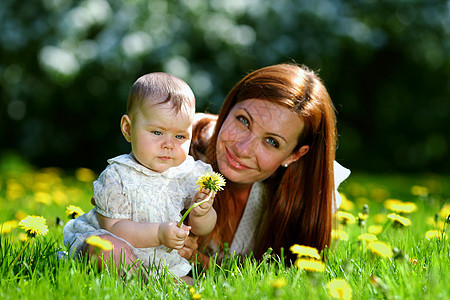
274	140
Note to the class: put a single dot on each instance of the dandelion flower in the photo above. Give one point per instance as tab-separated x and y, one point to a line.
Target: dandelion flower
74	211
380	248
34	225
196	296
339	289
100	243
435	234
279	283
367	237
397	219
379	218
305	251
420	191
399	206
346	204
339	235
345	217
375	229
311	265
7	226
211	180
85	175
445	211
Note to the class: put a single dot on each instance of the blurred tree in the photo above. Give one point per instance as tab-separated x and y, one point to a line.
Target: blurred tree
66	67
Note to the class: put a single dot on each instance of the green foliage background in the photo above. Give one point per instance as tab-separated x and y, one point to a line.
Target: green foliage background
66	67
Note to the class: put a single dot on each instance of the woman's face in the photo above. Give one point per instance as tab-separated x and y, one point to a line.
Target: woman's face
255	139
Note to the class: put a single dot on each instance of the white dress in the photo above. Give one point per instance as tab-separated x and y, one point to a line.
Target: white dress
245	236
128	190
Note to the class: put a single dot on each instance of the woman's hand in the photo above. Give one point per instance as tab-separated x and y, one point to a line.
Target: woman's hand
190	247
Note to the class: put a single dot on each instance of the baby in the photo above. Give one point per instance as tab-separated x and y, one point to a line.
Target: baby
139	196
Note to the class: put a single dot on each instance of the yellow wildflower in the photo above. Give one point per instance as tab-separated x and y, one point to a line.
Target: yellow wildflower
367	237
196	296
339	289
345	217
7	226
192	290
375	229
211	180
305	251
339	235
362	216
279	283
34	225
379	218
420	191
311	265
399	219
100	243
74	211
380	248
445	211
85	175
400	206
346	204
43	197
435	234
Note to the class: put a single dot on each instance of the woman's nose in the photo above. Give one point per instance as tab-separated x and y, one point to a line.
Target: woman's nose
246	145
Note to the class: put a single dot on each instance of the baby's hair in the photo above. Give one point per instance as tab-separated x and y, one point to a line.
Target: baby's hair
161	88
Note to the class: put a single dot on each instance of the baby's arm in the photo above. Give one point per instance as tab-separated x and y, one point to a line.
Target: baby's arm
202	219
145	235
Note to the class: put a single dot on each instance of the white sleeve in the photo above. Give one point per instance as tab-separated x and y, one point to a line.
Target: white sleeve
340	174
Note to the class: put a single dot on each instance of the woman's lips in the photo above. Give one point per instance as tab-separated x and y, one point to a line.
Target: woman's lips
234	162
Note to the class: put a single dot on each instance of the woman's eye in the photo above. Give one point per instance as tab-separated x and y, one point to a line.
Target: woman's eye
272	142
243	120
156	132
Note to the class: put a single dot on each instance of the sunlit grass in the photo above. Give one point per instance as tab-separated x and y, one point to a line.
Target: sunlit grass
373	256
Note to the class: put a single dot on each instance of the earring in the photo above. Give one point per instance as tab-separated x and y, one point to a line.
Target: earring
285	165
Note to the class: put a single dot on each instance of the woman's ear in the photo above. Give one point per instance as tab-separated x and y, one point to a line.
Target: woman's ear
125	126
296	155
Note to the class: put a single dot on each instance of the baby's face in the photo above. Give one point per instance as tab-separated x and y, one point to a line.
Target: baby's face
160	137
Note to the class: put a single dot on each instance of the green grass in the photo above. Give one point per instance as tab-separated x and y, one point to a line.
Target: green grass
418	268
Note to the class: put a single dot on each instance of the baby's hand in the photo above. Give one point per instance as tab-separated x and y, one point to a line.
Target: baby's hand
203	208
171	236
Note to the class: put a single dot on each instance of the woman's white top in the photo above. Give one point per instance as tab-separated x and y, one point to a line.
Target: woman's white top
128	190
245	236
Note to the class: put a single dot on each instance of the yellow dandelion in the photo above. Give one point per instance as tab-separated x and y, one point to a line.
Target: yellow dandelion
196	296
301	250
74	211
8	226
311	265
397	219
445	211
389	202
346	204
362	216
339	235
339	289
43	197
399	206
435	234
345	217
367	237
85	175
375	229
34	225
380	248
211	180
100	243
279	283
379	218
192	290
420	191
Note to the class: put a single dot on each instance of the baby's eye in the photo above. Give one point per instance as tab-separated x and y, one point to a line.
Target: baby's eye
243	120
180	137
156	132
272	142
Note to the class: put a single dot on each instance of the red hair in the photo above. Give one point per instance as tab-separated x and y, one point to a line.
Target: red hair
300	197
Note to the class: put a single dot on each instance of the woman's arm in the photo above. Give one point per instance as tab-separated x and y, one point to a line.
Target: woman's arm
145	235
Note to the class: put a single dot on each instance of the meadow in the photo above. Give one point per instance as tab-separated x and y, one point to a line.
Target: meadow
390	243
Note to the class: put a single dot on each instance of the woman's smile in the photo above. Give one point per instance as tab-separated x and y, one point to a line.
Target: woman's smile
234	162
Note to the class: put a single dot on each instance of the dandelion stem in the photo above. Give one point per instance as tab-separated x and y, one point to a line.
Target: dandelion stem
194	206
20	253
